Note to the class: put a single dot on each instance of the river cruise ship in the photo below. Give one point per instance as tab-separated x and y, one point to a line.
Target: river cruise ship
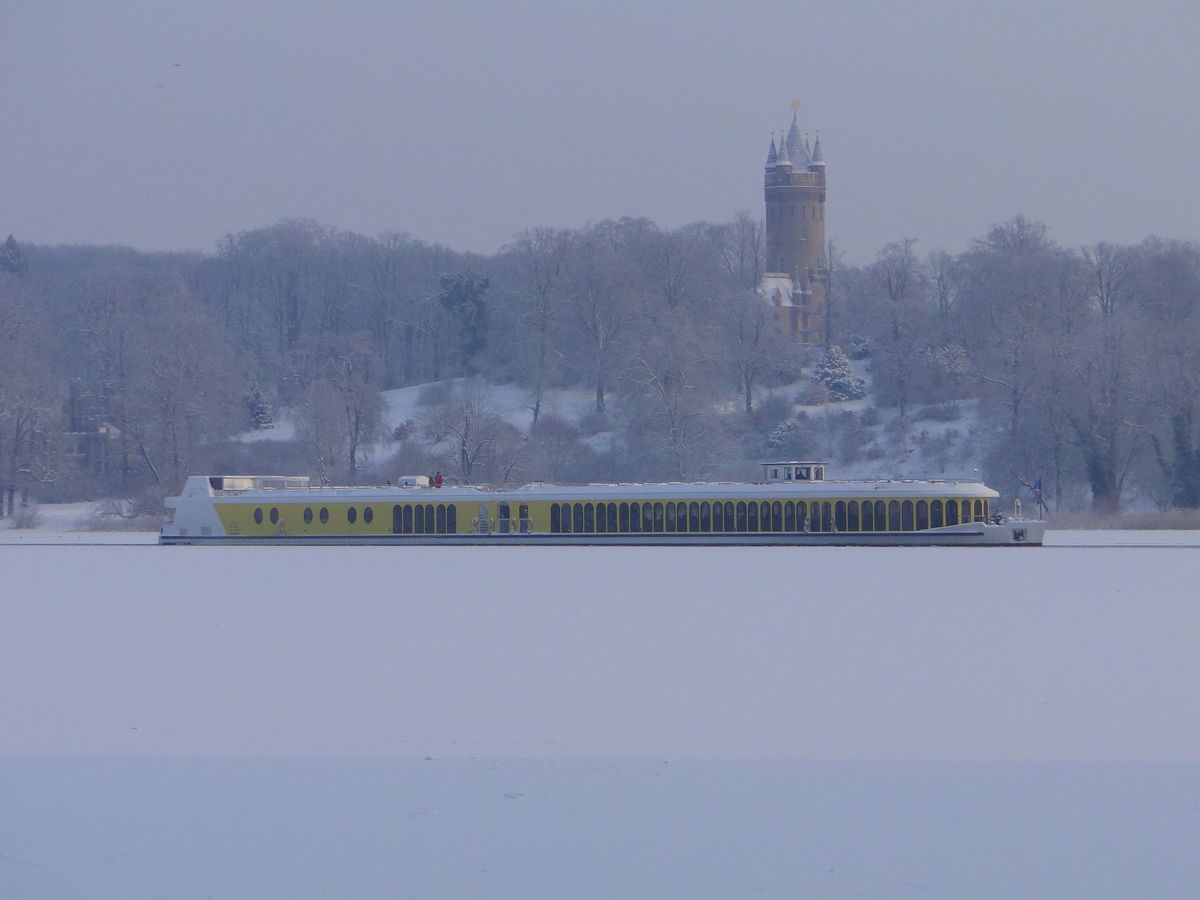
791	505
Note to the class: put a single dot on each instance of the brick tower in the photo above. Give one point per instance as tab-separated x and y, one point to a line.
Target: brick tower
796	272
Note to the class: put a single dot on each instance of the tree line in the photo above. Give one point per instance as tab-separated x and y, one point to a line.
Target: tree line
121	372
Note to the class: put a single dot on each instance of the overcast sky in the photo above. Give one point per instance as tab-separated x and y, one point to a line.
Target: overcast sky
166	125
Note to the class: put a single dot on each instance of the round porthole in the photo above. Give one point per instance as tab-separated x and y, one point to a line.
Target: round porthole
307	515
274	516
258	516
351	515
324	515
368	515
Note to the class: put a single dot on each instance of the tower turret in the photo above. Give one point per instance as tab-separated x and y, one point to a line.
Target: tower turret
772	154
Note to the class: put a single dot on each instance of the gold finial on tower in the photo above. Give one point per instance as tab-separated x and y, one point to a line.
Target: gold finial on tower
795	106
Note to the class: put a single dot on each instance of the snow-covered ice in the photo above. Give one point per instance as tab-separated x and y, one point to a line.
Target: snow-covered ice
204	721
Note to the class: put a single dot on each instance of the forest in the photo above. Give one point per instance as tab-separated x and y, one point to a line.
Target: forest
1070	371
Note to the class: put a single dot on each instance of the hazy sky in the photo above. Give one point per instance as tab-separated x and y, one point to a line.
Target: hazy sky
166	125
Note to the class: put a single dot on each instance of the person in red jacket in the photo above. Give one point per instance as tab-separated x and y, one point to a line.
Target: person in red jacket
437	480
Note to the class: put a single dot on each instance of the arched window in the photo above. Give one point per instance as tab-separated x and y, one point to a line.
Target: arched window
706	516
602	517
693	516
397	519
502	518
452	519
308	515
894	515
566	517
741	515
985	511
789	516
429	518
658	517
777	516
441	518
577	519
951	512
648	516
935	514
670	517
408	519
852	516
906	515
827	516
589	518
966	511
880	516
623	517
839	516
635	517
752	516
718	516
729	523
922	515
420	520
868	516
612	517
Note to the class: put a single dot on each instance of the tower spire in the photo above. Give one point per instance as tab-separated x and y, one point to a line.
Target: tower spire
795	140
784	156
818	159
772	154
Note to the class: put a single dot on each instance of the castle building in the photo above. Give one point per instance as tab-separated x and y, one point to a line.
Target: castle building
796	274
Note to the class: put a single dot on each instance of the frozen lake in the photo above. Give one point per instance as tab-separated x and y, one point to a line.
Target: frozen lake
182	722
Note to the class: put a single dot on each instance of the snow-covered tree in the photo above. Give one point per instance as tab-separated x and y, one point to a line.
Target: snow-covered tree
835	373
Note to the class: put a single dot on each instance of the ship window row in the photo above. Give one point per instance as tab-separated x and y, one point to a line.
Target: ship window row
424	518
765	515
368	515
